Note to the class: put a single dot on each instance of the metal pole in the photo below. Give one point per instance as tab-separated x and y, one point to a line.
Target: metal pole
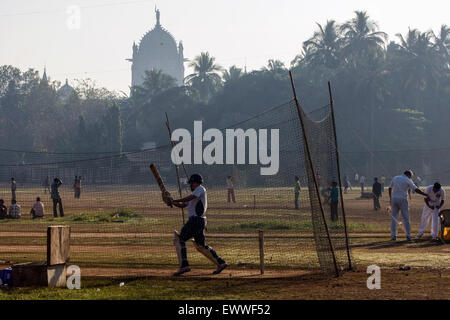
261	251
176	167
308	153
182	164
339	176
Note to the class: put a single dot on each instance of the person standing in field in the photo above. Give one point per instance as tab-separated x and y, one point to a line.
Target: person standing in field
382	182
47	184
196	204
297	189
356	178
347	184
3	210
37	211
362	182
376	192
57	198
334	200
433	204
14	210
78	187
13	188
398	196
230	189
75	186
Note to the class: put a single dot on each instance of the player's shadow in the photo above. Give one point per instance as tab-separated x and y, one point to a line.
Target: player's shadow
381	245
389	244
426	244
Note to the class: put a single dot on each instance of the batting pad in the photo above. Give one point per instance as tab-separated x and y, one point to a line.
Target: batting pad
176	243
204	251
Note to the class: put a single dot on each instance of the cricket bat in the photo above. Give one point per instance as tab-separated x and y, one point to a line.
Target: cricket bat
160	182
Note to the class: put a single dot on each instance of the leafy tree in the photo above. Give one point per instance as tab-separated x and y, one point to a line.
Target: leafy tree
324	46
232	74
206	78
362	40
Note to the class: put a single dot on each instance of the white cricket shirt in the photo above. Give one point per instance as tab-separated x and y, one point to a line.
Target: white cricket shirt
197	207
400	186
435	197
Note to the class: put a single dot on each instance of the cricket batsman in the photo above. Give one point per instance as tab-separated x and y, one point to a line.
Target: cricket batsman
433	204
196	204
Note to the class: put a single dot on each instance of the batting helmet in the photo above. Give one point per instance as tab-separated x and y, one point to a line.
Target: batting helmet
196	178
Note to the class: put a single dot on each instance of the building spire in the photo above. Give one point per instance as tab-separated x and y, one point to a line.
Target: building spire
44	76
158	15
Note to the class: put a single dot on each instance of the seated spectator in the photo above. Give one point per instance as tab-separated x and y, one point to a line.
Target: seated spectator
37	211
14	210
3	210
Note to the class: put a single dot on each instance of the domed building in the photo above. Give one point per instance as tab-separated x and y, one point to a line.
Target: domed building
65	92
157	50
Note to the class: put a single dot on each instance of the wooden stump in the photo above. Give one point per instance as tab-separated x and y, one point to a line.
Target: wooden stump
51	273
58	245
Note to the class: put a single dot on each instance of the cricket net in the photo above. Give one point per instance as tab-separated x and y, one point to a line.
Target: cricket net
120	226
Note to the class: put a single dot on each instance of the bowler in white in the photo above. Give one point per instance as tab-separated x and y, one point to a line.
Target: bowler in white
433	204
398	194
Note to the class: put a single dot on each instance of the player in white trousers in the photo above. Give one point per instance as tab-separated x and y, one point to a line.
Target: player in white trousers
398	195
433	204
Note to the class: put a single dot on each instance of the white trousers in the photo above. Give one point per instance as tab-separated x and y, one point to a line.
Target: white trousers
427	215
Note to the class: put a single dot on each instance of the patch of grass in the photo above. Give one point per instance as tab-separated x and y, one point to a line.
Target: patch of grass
121	215
290	225
266	225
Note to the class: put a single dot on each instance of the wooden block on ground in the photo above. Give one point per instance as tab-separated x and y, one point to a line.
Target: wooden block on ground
58	245
38	274
57	275
29	274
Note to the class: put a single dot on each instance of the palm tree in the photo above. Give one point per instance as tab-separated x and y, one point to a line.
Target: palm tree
323	47
442	44
205	78
274	66
362	38
419	60
155	82
232	74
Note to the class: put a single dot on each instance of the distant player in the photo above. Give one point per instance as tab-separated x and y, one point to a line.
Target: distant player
398	195
376	192
3	210
297	189
13	189
230	189
57	198
77	187
196	204
37	211
334	200
14	210
75	181
362	182
347	184
47	184
433	204
383	182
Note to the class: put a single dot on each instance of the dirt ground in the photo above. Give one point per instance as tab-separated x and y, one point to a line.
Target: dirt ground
144	249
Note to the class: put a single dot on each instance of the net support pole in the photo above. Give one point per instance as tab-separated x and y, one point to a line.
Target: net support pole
339	176
261	251
308	153
176	167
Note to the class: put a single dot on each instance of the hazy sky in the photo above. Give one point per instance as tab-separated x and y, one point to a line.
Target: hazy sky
34	33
